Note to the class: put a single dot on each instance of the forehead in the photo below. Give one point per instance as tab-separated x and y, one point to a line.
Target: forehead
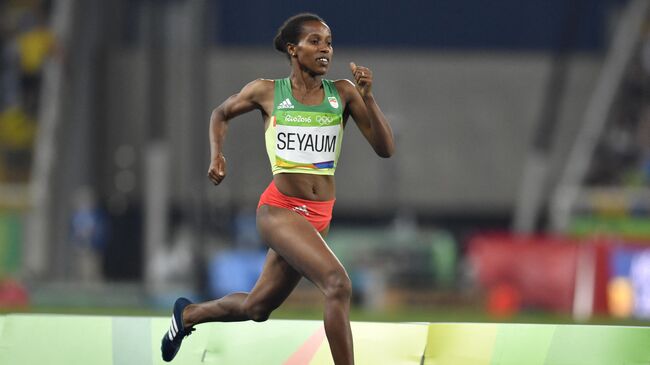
315	27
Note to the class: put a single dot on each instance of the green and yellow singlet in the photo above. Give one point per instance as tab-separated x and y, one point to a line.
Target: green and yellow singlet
304	139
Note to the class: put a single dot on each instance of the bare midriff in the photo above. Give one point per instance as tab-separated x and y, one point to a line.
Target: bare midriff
306	186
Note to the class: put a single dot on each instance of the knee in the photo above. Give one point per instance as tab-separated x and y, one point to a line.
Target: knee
257	312
338	286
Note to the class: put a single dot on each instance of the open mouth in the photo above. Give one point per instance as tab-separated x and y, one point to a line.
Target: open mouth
323	61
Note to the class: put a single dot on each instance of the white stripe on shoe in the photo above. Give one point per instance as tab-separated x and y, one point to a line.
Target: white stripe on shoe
172	329
174	324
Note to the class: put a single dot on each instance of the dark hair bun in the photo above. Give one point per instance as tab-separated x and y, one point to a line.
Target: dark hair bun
291	30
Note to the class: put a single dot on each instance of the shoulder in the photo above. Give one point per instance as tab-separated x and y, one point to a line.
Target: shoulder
345	88
260	85
258	88
344	85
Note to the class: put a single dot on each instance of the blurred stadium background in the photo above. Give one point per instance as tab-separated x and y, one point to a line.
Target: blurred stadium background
519	190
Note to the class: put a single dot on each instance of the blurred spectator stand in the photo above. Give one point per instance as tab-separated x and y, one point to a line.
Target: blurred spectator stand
36	43
392	268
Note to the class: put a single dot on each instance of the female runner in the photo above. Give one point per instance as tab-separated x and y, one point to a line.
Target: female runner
304	117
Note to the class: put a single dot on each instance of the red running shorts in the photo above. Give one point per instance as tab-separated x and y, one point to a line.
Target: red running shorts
318	213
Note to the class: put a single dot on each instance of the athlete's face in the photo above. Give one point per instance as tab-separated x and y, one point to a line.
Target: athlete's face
314	51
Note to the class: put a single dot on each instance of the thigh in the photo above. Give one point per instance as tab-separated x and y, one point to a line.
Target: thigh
291	236
277	281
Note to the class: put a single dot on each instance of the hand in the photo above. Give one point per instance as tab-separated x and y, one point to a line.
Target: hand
217	170
362	78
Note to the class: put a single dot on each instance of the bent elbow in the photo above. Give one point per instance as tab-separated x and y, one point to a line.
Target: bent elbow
219	114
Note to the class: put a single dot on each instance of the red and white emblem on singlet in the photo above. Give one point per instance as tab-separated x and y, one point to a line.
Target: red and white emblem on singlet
333	102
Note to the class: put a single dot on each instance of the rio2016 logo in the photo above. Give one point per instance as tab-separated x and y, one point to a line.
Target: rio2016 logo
322	120
297	119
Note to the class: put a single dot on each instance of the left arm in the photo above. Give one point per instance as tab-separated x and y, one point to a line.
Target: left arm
366	113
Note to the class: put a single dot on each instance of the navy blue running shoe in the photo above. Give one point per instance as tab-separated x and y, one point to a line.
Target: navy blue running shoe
171	341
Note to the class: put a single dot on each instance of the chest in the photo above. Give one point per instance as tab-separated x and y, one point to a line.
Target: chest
310	98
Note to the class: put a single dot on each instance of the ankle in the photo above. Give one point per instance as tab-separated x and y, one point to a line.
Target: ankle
189	319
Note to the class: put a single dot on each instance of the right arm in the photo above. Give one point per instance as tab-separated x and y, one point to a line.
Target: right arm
255	95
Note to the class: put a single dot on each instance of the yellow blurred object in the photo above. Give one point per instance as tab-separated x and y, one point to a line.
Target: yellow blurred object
620	297
35	46
610	204
17	129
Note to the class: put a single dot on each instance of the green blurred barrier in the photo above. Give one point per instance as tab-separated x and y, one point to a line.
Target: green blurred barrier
11	229
444	258
71	340
518	344
622	226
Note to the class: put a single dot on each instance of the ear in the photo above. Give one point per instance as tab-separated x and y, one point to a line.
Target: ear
291	49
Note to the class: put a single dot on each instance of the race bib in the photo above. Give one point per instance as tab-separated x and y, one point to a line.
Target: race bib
307	139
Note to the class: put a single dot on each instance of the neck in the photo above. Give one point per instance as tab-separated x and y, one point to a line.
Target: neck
304	80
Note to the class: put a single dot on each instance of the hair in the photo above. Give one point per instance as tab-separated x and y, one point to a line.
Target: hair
291	30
